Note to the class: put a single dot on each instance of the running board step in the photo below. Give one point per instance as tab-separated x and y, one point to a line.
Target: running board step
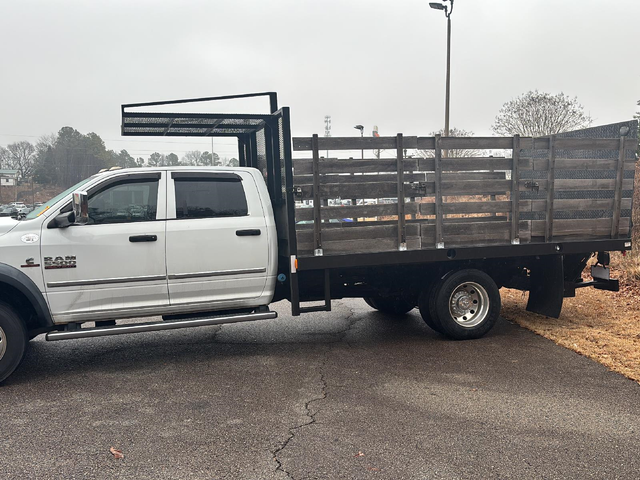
157	326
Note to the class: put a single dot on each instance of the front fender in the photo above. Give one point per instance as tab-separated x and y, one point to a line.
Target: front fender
22	283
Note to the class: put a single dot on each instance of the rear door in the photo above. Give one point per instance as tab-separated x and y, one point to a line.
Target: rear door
217	240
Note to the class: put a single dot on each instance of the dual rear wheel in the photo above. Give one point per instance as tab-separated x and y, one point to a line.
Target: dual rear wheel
462	305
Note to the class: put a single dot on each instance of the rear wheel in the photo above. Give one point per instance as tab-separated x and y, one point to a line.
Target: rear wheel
425	313
393	305
465	304
13	341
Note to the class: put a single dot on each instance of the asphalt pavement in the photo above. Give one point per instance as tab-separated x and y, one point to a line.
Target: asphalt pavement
348	394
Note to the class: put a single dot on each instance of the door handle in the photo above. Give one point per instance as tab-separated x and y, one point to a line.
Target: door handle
247	233
143	238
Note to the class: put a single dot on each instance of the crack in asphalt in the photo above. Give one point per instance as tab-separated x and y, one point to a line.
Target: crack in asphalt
352	321
311	420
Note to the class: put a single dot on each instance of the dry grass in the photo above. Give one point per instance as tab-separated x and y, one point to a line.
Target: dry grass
604	326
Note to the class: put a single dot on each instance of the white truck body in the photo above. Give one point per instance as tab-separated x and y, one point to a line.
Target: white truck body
95	272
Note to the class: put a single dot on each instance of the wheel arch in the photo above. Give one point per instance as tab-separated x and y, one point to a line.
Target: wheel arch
20	292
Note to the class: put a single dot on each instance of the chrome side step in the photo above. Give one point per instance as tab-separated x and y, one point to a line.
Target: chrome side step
156	326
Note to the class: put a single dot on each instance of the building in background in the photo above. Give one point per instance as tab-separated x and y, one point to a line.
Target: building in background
8	178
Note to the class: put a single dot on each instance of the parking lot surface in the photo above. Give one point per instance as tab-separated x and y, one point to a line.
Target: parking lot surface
348	394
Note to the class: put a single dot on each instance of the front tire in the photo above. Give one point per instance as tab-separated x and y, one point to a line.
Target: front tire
13	341
466	304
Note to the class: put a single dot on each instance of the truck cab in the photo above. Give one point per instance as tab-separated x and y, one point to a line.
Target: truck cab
157	241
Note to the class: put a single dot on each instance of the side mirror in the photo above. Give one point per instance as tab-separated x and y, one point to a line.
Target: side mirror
80	201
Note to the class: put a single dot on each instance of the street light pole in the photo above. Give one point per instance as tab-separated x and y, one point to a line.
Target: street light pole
447	12
447	95
361	128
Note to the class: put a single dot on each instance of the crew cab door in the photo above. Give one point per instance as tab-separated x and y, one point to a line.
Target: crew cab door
114	264
217	240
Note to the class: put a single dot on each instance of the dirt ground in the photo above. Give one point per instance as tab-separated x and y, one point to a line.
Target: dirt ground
601	325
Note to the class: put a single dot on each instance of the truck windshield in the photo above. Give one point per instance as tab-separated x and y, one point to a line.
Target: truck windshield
46	206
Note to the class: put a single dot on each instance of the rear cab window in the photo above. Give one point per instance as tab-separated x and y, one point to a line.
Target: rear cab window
209	195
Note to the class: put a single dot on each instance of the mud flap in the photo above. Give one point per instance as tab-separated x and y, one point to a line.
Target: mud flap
547	286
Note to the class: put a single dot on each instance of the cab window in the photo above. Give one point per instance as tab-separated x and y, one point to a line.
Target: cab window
124	202
210	197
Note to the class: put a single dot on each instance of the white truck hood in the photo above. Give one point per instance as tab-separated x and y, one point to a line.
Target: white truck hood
7	224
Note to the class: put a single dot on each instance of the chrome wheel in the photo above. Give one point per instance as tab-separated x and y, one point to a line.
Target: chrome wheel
469	304
3	343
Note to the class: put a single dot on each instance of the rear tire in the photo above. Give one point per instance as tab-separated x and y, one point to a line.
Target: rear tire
423	306
391	305
13	341
465	304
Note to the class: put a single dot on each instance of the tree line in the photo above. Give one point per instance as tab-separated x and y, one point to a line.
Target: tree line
67	157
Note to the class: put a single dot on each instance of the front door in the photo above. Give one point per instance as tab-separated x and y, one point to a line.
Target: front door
217	240
115	263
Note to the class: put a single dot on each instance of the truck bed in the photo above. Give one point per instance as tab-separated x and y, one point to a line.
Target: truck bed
462	192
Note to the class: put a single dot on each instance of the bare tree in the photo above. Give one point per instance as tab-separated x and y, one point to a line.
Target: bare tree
193	157
21	158
452	153
4	157
198	158
536	114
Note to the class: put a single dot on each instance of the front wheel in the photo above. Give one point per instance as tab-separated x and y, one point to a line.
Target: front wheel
13	341
466	304
391	305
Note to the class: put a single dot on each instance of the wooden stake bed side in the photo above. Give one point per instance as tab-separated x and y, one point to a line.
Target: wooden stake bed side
544	190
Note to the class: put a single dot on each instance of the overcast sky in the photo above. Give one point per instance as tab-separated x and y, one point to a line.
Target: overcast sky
373	62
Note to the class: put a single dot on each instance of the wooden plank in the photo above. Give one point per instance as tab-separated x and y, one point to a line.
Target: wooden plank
451	208
476	187
454	208
563	143
352	143
577	164
476	163
495	233
356	231
300	180
539	143
402	243
449	188
305	166
573	204
591	184
617	202
478	233
478	230
438	191
426	143
367	190
515	191
579	184
476	143
356	211
317	223
587	228
371	245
